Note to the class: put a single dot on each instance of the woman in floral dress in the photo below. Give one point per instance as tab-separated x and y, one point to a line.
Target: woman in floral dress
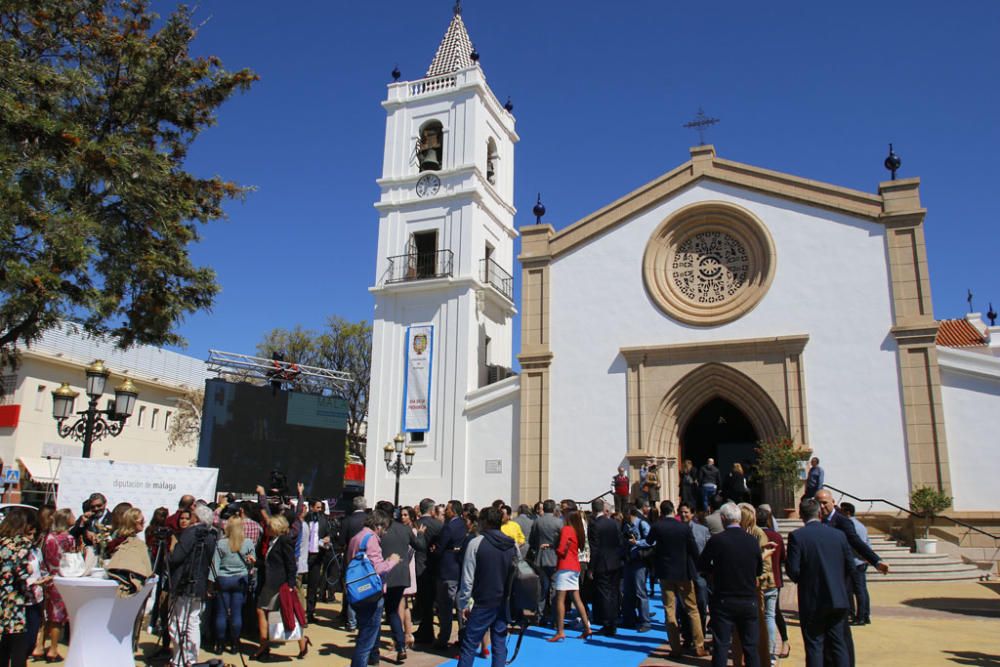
16	534
57	542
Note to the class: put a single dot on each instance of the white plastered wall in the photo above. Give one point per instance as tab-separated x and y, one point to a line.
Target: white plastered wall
831	282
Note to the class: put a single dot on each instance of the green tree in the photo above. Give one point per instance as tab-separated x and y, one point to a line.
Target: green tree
343	346
100	101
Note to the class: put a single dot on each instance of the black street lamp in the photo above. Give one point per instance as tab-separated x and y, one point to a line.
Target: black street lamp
403	461
93	423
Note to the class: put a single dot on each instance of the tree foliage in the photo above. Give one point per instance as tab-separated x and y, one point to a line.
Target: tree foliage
100	101
342	345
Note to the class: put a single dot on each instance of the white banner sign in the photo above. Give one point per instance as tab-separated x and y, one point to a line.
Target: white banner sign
417	386
145	485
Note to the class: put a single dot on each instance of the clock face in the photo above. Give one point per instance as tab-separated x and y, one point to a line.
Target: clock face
428	185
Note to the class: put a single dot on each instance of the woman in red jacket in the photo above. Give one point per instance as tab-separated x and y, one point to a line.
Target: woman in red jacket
567	578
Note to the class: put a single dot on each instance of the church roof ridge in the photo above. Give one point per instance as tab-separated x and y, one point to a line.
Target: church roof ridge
455	50
704	164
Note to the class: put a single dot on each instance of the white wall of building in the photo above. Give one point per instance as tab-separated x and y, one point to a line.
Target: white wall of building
491	466
831	282
970	390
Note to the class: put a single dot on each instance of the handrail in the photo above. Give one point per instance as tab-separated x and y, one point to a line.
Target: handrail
910	512
588	502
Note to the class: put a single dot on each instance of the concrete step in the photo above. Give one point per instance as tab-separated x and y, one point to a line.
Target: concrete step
905	565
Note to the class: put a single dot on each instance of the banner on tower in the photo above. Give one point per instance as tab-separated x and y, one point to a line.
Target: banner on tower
417	385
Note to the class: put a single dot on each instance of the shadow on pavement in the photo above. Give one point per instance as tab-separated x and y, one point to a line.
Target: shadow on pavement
963	606
974	658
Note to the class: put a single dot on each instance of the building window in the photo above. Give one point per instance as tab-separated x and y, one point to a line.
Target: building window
430	146
142	416
166	420
424	248
156	415
40	398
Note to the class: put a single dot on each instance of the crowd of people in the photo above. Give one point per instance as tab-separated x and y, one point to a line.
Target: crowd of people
586	570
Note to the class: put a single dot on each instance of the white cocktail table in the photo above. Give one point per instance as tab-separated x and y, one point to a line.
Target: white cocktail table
101	623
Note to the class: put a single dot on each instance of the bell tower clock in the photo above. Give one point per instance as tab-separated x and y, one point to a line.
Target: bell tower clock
442	285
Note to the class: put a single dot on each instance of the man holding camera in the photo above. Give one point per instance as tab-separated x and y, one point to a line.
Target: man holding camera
189	565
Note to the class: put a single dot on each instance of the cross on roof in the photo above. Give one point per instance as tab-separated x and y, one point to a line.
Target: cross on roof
701	122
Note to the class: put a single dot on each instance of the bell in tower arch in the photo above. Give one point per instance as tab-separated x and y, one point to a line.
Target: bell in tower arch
429	147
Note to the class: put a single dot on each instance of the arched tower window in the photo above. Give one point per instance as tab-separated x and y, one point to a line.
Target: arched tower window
492	157
430	146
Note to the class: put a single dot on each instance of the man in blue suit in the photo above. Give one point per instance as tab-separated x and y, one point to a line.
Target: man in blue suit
819	561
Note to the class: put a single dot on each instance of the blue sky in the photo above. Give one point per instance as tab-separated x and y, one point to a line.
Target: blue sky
600	90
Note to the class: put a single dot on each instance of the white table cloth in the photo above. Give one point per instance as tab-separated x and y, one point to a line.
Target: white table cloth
101	623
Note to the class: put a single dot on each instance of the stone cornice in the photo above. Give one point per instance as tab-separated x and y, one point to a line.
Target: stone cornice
969	363
682	351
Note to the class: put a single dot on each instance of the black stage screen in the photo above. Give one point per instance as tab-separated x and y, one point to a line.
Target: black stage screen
248	431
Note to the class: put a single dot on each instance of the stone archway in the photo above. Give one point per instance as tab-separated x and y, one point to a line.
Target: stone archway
694	390
667	385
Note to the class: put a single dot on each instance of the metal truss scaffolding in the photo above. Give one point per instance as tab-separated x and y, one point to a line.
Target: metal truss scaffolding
299	377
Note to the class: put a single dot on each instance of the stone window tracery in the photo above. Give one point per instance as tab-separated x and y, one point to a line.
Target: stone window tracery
709	263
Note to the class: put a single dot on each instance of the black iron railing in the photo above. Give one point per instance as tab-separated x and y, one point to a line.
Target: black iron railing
872	501
420	266
492	274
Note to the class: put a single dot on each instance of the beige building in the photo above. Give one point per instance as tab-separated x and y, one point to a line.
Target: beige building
29	437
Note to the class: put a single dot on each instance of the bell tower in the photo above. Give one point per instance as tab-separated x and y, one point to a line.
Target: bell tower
443	282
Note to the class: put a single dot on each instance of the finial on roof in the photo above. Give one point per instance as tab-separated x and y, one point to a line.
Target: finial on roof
539	210
969	299
396	73
892	162
508	105
458	7
474	56
992	315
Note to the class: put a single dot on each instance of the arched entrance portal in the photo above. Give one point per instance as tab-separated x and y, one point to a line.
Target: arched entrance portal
721	431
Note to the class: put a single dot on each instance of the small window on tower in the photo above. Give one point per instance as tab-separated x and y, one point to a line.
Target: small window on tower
430	146
491	161
417	437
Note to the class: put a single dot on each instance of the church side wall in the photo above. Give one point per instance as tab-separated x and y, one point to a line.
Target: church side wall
831	283
972	421
491	463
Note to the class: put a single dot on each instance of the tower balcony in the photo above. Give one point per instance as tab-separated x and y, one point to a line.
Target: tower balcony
493	275
420	266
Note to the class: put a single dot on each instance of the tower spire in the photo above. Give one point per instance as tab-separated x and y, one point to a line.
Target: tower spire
455	51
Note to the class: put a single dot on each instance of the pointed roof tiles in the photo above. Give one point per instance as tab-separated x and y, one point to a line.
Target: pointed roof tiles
455	50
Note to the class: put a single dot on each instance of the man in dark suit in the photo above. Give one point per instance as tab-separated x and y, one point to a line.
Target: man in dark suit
606	546
831	517
819	561
426	565
542	543
449	574
733	561
319	540
675	554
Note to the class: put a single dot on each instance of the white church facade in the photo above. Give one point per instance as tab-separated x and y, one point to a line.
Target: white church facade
717	306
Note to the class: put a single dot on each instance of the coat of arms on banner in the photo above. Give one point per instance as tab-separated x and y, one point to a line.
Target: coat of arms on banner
420	343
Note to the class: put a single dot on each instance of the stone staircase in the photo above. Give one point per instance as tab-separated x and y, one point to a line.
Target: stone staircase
904	565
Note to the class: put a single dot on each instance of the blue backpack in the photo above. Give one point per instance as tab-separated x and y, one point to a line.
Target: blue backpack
361	581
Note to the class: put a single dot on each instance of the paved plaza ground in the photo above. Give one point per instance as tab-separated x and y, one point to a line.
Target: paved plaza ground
913	624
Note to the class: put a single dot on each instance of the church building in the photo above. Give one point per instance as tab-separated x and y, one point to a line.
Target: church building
718	306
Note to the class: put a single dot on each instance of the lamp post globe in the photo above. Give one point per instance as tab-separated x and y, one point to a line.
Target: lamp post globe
125	397
63	399
97	377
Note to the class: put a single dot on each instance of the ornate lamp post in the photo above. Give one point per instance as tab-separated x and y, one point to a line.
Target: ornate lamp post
402	462
93	424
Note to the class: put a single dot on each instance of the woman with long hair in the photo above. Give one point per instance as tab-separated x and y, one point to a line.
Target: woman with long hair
57	543
278	567
772	609
567	577
408	515
16	535
735	487
231	563
154	531
689	484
